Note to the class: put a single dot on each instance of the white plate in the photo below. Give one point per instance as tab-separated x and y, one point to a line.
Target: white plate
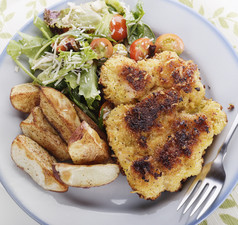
114	204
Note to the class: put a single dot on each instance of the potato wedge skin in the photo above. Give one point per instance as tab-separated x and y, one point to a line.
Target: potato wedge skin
38	129
86	147
24	97
86	176
37	162
59	111
84	117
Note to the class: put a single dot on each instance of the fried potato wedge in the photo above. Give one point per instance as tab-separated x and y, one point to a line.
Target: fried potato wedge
84	117
85	146
39	129
86	176
24	97
59	111
37	162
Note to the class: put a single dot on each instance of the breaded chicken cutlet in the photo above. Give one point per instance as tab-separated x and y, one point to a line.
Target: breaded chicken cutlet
162	123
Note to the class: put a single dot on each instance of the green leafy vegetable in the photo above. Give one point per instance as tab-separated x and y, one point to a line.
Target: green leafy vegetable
100	119
115	6
74	71
30	45
88	85
76	98
135	27
148	32
66	62
43	27
103	27
14	49
71	79
87	15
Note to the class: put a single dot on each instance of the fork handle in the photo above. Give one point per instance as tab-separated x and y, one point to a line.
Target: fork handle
223	148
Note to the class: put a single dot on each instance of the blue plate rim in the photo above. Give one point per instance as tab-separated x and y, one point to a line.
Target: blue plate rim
178	4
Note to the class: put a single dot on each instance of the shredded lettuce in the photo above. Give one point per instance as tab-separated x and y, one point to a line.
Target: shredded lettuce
103	27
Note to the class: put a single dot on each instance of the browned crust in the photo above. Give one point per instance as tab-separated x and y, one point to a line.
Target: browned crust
144	166
183	76
63	126
181	142
25	101
135	77
142	117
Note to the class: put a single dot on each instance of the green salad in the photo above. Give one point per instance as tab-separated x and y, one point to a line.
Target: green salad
76	41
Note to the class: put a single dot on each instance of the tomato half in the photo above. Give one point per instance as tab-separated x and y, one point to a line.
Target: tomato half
118	28
66	44
139	49
102	47
169	42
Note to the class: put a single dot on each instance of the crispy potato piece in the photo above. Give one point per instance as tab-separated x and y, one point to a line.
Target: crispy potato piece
59	111
86	176
85	146
24	97
37	162
84	117
38	129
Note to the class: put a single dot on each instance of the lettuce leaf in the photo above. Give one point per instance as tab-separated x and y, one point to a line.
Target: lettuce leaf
43	27
14	49
115	6
72	79
103	27
87	15
88	86
28	45
135	27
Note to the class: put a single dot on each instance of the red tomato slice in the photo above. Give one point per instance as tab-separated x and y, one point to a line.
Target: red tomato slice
140	48
118	28
102	47
66	44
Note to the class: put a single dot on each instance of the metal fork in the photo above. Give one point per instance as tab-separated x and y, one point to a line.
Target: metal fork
210	181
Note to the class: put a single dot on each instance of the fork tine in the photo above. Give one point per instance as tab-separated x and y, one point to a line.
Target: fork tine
210	201
198	192
188	193
202	199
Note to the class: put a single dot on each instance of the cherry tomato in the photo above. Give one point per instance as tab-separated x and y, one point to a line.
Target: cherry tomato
102	47
169	42
140	48
120	49
66	44
106	108
118	28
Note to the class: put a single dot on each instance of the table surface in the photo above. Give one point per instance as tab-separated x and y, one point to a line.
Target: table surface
222	13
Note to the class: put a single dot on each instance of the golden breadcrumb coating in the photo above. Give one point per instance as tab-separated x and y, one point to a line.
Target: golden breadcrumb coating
123	81
159	138
158	146
126	81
